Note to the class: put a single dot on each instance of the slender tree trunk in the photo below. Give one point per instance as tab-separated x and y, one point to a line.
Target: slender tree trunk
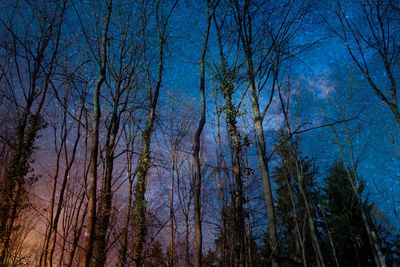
91	221
221	189
144	165
80	216
227	90
49	231
29	124
171	209
378	256
187	243
124	242
311	225
243	20
331	243
124	239
264	171
105	199
140	190
52	237
249	260
77	232
198	237
299	175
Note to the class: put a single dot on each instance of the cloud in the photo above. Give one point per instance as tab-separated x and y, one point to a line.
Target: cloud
321	87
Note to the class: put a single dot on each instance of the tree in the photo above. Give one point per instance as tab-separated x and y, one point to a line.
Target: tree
197	143
376	42
226	77
153	91
94	150
62	134
156	256
122	83
264	48
295	202
38	50
344	219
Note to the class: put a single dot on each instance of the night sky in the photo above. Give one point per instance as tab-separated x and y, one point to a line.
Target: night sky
329	100
326	80
326	87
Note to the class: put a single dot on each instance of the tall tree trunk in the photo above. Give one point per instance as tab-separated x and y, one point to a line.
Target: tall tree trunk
29	124
264	170
140	190
91	221
105	198
144	163
198	237
124	239
80	216
373	238
311	225
243	20
187	243
227	89
49	230
299	175
171	209
54	222
249	252
378	256
221	188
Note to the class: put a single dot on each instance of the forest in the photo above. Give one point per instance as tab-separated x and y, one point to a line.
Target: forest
169	133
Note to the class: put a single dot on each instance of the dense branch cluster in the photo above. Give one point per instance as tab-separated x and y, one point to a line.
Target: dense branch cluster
115	151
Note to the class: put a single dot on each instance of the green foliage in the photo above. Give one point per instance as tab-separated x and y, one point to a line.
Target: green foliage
344	219
292	173
345	223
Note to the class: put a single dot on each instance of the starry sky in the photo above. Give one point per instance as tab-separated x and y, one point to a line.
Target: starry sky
329	87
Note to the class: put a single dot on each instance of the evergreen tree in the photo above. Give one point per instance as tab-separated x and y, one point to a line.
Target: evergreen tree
344	219
292	218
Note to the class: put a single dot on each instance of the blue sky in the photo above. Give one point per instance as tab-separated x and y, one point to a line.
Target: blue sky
326	78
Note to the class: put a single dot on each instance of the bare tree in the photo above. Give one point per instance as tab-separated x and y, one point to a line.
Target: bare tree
244	23
94	150
178	129
122	84
378	41
197	143
227	77
131	133
184	187
348	155
38	52
61	137
299	170
260	45
153	90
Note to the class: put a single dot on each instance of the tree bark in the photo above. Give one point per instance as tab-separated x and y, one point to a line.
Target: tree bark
124	239
144	161
198	237
94	150
243	20
227	90
171	208
30	122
